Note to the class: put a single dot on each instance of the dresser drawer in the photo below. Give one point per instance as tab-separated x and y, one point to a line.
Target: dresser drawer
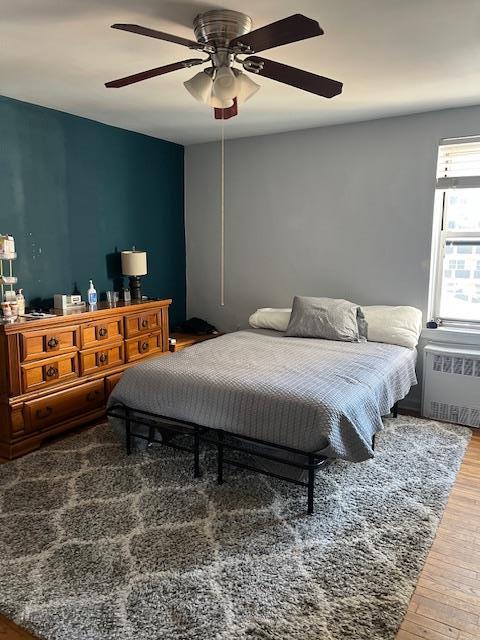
95	333
106	357
44	373
142	323
59	407
35	345
137	348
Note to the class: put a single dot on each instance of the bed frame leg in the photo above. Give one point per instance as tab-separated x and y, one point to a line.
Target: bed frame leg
311	484
151	436
220	457
196	453
128	432
395	410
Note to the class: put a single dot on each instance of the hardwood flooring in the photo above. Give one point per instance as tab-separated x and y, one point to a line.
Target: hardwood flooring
10	631
446	602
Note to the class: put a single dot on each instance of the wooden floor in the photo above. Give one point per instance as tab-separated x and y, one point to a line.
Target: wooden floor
10	631
446	602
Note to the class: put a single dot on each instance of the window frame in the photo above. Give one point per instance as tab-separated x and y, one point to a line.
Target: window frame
448	178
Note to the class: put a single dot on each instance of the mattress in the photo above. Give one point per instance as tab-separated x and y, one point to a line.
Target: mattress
314	395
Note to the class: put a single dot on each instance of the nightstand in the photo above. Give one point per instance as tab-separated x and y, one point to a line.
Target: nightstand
187	339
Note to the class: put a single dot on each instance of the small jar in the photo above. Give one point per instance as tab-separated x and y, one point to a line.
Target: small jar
6	310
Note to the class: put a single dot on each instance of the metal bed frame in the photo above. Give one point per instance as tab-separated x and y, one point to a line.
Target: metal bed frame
170	427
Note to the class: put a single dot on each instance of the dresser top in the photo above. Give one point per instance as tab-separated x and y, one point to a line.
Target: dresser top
84	314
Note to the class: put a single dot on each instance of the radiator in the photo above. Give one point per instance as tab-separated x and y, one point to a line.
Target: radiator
451	384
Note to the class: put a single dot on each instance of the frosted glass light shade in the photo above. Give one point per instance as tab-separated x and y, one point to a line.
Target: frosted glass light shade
229	83
200	86
216	103
134	263
225	84
246	87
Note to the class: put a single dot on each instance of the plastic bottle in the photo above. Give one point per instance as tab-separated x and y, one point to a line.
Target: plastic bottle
92	294
21	302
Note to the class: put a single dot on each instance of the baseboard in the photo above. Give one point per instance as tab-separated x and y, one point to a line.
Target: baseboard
409	407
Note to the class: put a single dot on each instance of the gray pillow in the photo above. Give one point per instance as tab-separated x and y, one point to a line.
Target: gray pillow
326	318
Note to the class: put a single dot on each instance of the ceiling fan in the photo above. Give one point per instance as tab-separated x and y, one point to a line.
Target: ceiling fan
225	35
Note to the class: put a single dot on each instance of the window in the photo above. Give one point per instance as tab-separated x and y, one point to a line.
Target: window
455	288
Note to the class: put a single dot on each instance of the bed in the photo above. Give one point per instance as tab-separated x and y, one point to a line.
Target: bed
310	400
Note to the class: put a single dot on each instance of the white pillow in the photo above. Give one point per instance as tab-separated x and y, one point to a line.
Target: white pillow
394	325
276	319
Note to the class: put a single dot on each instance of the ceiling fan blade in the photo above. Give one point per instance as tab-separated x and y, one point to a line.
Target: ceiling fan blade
298	78
291	29
152	73
160	35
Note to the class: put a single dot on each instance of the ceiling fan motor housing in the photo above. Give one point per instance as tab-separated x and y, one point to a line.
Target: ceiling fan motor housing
217	28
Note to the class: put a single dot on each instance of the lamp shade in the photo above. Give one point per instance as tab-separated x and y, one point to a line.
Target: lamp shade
216	103
200	86
134	263
225	84
246	87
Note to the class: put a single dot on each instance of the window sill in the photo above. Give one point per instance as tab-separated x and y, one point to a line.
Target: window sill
452	335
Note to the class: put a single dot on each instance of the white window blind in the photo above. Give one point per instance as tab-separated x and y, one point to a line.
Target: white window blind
459	164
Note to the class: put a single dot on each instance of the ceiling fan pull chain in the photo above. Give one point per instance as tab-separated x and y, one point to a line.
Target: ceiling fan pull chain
222	219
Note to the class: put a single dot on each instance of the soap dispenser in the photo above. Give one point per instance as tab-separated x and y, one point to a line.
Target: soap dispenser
92	294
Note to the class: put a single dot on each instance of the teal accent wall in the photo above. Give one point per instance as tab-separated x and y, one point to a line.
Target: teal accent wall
73	192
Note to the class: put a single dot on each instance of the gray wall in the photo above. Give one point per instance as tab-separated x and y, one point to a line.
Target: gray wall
343	211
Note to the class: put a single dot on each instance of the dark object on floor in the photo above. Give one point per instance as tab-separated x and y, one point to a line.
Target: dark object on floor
432	325
196	326
310	463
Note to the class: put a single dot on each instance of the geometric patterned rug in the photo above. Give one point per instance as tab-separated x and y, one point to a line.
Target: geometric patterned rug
95	545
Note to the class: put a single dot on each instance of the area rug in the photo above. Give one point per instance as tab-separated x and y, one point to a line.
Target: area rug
95	545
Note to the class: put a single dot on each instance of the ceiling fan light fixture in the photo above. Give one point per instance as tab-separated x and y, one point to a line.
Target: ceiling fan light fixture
223	35
216	103
200	87
225	84
246	87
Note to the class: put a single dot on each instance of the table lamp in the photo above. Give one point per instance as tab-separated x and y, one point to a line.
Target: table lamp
134	264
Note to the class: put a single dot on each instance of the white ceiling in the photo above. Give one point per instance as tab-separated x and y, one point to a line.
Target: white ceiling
394	57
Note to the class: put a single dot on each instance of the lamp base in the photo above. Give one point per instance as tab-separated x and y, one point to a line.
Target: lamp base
135	291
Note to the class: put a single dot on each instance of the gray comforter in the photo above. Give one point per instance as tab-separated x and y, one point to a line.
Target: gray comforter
315	395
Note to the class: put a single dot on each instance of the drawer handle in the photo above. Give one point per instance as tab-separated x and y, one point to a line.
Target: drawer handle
144	323
51	371
103	358
144	346
53	342
41	415
92	395
102	332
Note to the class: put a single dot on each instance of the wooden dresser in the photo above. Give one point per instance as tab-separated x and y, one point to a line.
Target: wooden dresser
57	373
